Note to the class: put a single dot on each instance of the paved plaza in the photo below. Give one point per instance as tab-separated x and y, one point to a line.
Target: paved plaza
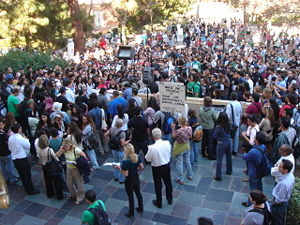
202	196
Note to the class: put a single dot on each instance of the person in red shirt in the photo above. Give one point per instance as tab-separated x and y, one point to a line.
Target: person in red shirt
255	106
291	101
103	44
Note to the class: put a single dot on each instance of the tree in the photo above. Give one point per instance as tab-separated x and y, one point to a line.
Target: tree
59	28
123	9
75	13
21	17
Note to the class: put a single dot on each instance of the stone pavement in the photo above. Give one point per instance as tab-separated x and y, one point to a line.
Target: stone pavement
202	196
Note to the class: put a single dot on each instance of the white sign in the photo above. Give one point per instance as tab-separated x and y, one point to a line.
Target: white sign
172	97
70	47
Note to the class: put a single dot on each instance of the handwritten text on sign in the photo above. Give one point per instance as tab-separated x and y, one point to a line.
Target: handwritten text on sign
172	97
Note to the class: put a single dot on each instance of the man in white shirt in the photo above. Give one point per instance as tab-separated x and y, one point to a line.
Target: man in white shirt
70	95
159	155
234	112
19	147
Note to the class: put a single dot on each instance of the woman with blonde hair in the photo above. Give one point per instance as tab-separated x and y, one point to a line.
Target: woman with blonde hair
39	90
181	149
129	167
73	175
53	183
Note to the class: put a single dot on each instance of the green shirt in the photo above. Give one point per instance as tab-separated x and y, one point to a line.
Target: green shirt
12	101
195	88
87	216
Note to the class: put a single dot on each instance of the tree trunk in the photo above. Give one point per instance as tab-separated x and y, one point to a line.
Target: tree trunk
77	25
123	33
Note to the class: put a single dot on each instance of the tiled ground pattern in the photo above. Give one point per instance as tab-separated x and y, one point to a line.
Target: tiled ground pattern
221	201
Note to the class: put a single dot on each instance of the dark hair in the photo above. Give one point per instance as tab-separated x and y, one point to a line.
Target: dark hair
233	96
256	97
102	90
75	131
116	93
137	111
258	196
135	91
192	113
252	118
153	103
207	101
287	165
285	122
289	112
260	137
54	132
120	111
292	98
223	121
205	221
15	127
90	195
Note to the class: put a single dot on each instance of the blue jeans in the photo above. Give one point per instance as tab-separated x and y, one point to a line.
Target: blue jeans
93	157
254	184
181	160
194	151
223	147
278	212
7	168
118	157
235	144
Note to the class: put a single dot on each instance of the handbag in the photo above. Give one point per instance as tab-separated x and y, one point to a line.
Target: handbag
103	123
233	127
83	165
52	167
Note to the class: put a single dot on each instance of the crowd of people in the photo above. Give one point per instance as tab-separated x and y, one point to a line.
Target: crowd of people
69	118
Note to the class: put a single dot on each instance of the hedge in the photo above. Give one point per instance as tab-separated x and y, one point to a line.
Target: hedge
293	216
16	59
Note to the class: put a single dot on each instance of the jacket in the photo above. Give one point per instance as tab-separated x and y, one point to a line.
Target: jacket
207	117
253	159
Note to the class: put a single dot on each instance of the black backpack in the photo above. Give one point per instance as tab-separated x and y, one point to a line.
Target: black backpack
100	216
90	141
115	142
268	218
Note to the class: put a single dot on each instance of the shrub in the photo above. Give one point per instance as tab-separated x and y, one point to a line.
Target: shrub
293	216
15	59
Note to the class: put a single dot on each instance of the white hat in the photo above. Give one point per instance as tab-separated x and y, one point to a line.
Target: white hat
57	106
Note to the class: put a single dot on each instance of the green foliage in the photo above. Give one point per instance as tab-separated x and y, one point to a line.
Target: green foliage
55	34
15	59
294	206
41	24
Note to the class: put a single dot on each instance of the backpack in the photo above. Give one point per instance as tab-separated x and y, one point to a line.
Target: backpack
197	132
100	216
264	168
268	218
115	142
166	126
296	142
90	141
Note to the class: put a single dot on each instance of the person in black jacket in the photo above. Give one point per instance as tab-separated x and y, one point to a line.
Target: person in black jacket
6	163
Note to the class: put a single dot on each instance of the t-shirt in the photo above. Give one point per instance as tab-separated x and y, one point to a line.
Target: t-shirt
115	131
55	144
12	101
87	216
140	125
130	167
70	156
